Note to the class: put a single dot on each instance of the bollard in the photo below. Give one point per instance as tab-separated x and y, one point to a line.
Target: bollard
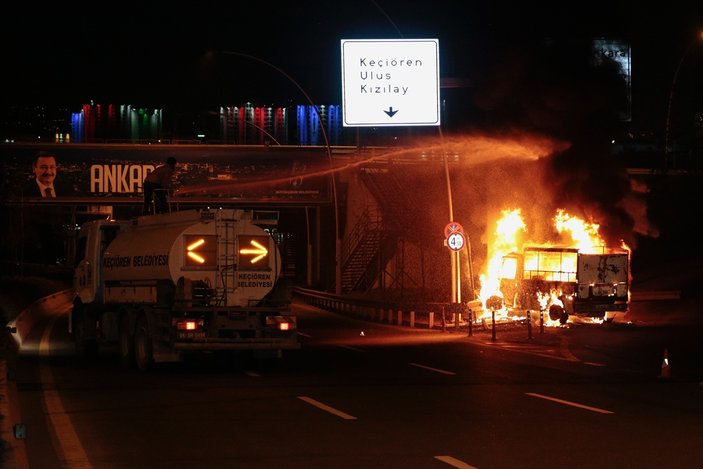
430	320
412	318
541	321
493	320
529	325
444	322
471	323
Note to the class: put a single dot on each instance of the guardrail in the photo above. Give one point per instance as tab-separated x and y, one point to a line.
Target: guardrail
28	317
420	315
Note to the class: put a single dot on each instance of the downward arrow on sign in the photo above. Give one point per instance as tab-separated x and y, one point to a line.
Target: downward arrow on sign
390	112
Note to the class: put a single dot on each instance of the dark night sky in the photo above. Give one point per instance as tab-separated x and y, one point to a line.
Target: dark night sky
160	55
156	55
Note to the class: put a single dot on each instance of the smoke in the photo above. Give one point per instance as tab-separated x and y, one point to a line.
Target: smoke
552	89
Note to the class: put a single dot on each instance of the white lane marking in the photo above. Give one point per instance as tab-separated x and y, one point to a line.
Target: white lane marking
594	364
437	370
574	404
70	447
455	462
327	408
252	374
302	334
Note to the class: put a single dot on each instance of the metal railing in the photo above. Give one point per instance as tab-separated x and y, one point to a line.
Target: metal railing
418	314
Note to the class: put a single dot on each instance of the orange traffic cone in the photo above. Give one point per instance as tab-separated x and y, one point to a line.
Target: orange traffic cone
666	368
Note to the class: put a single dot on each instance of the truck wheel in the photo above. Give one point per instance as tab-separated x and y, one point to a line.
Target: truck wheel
126	342
556	312
143	348
564	318
85	347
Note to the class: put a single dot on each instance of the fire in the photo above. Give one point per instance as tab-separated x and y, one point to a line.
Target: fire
546	301
505	242
549	263
585	235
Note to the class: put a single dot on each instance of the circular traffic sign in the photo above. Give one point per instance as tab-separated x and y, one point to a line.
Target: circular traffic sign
456	241
452	227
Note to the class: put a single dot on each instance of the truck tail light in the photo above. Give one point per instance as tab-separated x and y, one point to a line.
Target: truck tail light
282	323
188	324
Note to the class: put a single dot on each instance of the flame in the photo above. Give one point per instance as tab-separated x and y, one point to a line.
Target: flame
505	241
558	266
546	300
584	235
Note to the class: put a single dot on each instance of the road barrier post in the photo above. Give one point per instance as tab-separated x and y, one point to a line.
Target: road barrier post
541	321
493	320
529	325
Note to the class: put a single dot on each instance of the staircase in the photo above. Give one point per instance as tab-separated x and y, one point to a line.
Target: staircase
400	213
360	251
375	238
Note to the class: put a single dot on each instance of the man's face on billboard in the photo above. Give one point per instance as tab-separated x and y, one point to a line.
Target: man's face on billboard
45	169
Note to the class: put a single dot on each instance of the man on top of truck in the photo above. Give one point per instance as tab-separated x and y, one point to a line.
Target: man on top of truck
156	184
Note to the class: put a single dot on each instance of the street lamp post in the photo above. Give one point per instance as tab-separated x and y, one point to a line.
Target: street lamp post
696	40
338	244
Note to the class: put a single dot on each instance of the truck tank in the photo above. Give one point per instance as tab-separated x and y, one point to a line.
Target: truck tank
161	257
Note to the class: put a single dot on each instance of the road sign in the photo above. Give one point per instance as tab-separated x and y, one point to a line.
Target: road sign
452	227
390	82
456	241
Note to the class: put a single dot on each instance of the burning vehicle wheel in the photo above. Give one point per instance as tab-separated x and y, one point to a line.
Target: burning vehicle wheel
557	313
494	302
143	348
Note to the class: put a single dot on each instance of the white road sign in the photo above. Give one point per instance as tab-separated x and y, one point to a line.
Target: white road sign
390	82
456	241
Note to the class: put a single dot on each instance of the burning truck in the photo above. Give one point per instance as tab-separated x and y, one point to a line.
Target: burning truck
584	278
564	281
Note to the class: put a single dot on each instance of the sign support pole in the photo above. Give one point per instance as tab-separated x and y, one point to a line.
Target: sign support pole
455	264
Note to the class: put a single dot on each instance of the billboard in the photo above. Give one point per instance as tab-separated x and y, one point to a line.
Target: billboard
101	173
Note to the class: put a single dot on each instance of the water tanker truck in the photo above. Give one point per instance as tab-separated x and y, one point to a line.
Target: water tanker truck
161	286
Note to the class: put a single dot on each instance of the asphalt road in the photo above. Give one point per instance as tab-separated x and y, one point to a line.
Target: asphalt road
369	395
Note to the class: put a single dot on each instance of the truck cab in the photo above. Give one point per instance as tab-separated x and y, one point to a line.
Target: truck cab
93	237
